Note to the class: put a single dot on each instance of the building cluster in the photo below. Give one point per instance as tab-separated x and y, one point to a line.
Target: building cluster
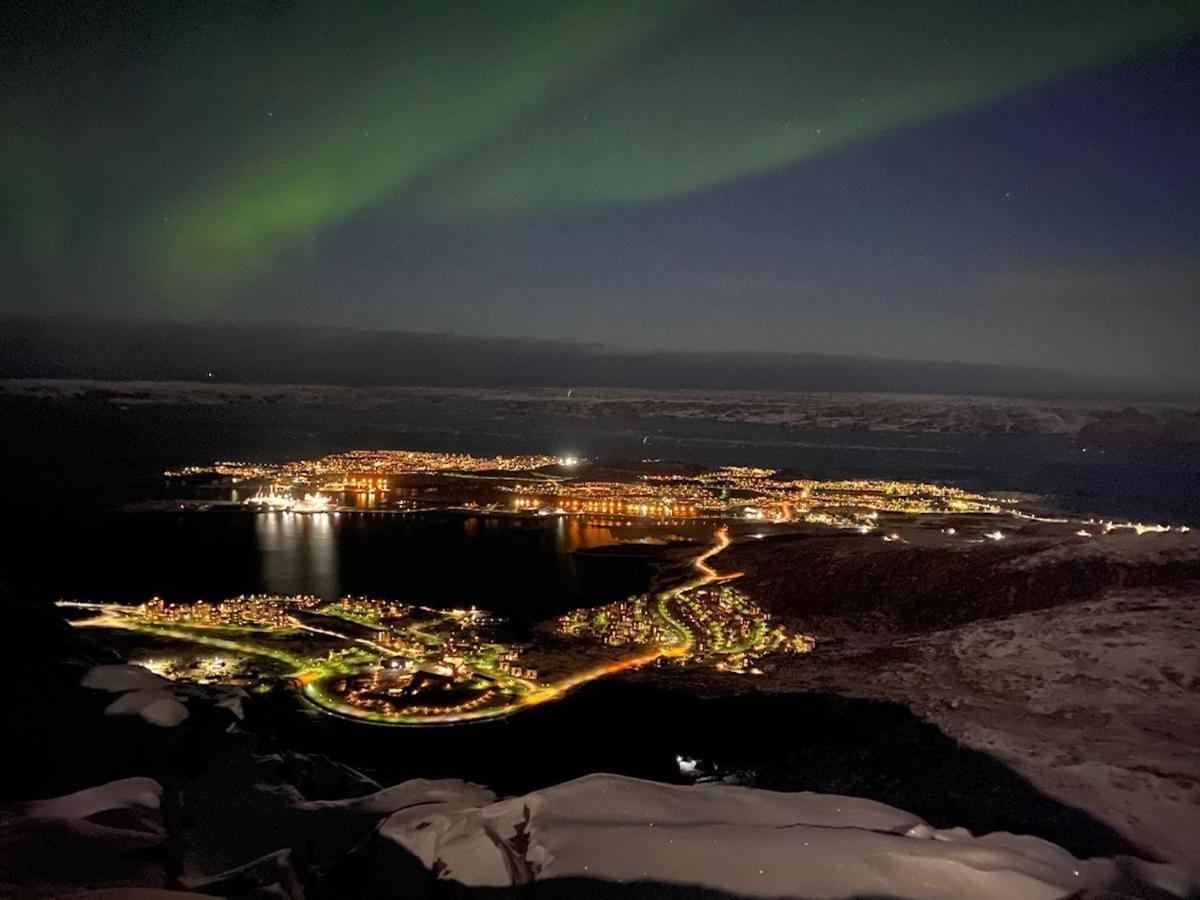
1107	526
731	632
455	645
391	691
627	622
750	493
234	469
396	659
509	663
255	610
368	610
201	669
369	469
719	625
743	492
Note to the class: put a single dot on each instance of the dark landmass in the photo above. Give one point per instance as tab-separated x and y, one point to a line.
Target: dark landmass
1076	661
110	349
835	585
895	411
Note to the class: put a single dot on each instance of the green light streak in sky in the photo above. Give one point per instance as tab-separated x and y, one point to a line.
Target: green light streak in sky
434	84
714	102
197	147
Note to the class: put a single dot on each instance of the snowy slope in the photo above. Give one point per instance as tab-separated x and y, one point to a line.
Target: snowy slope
596	831
744	841
101	835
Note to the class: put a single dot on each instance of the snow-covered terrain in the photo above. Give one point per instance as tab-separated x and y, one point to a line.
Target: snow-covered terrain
739	840
596	830
101	835
1094	702
796	409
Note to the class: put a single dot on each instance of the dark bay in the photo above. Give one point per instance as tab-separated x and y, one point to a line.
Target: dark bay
524	569
72	465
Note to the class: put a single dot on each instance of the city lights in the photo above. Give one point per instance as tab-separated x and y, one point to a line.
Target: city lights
396	663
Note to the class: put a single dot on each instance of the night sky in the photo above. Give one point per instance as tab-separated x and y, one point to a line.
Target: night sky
1015	183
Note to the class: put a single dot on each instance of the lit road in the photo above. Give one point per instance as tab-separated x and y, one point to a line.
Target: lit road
316	678
314	688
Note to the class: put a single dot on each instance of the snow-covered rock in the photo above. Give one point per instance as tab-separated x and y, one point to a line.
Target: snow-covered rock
157	706
407	794
606	829
121	678
103	835
143	693
127	793
740	840
271	875
158	700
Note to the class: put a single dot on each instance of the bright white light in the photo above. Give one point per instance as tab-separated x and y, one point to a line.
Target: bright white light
995	535
687	765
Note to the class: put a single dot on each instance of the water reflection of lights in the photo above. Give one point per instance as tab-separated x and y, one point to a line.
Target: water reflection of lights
299	553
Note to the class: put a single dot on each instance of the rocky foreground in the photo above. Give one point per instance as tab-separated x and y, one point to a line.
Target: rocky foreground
1073	662
602	835
223	817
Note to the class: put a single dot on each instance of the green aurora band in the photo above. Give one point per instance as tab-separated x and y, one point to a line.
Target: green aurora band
194	148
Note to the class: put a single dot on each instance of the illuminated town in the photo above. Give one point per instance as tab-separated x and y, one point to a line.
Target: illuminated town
371	468
393	663
750	493
548	485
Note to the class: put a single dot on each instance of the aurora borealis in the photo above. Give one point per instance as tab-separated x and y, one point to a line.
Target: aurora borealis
880	178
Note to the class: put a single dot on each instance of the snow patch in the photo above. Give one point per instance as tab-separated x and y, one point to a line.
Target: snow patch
158	700
158	707
739	840
409	793
127	792
119	678
96	836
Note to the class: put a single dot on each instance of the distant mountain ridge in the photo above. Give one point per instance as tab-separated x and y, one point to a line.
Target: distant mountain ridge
274	353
